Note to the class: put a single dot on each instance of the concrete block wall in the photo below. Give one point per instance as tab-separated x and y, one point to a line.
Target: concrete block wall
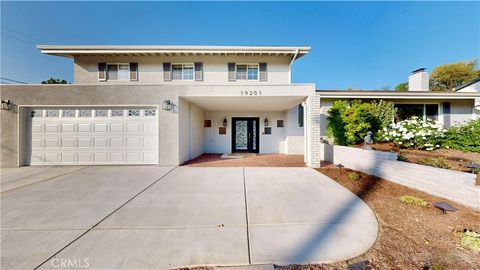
456	186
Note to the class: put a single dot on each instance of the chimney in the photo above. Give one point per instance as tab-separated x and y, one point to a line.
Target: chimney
419	80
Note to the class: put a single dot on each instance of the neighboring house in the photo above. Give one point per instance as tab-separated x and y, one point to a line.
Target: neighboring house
165	105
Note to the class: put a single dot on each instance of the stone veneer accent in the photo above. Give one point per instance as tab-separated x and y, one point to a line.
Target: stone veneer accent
456	186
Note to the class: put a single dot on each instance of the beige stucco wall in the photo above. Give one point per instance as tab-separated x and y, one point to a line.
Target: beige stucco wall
150	68
174	127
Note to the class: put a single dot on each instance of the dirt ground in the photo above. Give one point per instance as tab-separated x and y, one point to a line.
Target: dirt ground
258	160
410	237
456	159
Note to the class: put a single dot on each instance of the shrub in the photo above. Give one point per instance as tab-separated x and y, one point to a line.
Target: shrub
401	157
470	239
348	123
353	176
464	137
438	162
414	133
413	200
384	112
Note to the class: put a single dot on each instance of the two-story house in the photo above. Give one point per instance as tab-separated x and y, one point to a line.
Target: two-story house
160	105
166	105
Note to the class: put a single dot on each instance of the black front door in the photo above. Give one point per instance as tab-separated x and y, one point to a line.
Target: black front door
245	134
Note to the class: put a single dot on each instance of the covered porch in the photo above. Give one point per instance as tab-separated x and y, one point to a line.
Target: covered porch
272	127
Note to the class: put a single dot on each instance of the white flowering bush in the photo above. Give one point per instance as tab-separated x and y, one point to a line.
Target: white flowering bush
415	133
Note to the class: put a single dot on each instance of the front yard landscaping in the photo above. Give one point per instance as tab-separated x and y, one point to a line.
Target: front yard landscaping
411	236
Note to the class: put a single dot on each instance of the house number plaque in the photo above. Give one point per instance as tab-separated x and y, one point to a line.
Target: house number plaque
251	93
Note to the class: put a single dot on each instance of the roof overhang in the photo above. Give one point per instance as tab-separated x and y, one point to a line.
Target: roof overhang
245	104
338	94
117	50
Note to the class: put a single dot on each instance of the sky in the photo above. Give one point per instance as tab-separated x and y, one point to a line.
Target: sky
359	45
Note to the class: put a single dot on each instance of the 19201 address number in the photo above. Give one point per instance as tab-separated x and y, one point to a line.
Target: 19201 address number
251	93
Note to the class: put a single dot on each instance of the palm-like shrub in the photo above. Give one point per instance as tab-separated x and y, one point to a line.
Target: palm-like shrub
415	133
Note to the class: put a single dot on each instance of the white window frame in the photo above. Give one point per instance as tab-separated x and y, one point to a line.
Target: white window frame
246	77
118	70
183	74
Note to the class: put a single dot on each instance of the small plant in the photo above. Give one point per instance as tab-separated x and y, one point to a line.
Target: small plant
470	239
413	200
353	176
438	162
401	157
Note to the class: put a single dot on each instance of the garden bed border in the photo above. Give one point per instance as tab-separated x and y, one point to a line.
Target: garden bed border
453	185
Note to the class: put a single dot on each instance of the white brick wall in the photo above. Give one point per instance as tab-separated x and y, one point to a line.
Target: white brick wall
312	123
196	131
217	143
294	139
456	186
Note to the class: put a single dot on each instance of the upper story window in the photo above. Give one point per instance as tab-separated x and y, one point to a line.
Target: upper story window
117	71
182	72
247	72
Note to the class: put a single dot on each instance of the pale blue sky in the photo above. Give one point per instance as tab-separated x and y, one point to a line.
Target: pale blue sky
363	45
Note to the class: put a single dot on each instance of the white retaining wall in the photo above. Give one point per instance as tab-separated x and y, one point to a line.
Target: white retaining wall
456	186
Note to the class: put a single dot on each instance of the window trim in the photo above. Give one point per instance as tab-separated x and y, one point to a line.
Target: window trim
246	77
118	64
183	64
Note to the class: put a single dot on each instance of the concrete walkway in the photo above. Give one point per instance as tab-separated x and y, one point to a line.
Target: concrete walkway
148	217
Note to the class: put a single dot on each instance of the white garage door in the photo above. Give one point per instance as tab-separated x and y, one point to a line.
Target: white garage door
99	136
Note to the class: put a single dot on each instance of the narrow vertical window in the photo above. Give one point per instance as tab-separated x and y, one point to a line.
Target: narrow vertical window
300	115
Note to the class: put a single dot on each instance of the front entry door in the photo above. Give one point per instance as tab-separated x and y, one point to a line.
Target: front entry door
245	134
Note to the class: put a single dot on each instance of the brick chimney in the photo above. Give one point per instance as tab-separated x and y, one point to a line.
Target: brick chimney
419	80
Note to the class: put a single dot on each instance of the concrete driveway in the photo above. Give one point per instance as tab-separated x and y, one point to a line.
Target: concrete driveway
147	217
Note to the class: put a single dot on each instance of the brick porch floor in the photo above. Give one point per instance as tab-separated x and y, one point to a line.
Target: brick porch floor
259	160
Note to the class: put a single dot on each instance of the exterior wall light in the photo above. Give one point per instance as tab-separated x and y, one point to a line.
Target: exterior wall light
266	122
6	105
167	105
225	122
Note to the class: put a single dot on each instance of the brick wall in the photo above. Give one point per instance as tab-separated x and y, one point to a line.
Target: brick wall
456	186
312	122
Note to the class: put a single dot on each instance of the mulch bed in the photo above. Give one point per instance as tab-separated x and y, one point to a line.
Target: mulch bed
410	237
457	159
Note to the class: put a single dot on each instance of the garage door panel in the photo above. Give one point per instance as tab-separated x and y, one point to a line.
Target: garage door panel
84	127
68	127
101	142
37	143
52	143
69	143
68	157
84	143
93	136
52	128
101	127
85	158
37	128
116	127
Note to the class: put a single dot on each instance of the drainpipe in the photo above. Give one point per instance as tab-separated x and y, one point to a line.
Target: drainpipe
290	66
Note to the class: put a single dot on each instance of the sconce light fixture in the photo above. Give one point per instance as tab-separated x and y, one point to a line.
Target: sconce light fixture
266	122
167	105
225	122
6	105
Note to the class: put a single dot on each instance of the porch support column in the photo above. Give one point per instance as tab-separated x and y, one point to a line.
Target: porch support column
312	121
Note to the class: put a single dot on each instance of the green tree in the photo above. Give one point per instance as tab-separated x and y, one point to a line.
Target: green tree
402	87
54	81
447	77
